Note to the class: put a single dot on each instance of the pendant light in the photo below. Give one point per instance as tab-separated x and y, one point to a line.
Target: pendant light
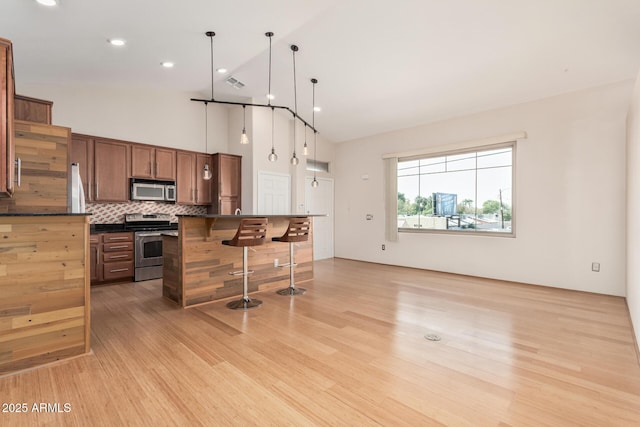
206	172
305	147
315	182
294	158
244	139
272	156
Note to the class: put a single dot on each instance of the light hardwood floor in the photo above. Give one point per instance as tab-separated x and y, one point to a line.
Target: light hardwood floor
349	352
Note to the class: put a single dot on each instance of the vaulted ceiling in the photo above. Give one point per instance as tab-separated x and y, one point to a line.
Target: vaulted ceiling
382	65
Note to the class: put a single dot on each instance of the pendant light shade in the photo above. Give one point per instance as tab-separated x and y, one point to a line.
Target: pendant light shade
244	139
273	156
305	147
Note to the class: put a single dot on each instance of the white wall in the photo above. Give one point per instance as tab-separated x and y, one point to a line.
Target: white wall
569	201
633	209
167	119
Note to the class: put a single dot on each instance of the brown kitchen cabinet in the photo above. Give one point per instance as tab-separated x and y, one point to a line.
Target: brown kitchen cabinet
94	256
32	109
153	162
82	153
7	144
192	189
227	177
111	256
111	170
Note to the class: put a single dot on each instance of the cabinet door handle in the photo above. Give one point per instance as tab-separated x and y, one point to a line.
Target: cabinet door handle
19	168
191	195
150	170
156	174
119	247
118	256
119	238
117	270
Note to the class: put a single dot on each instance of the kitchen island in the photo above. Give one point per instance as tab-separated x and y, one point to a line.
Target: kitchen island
196	264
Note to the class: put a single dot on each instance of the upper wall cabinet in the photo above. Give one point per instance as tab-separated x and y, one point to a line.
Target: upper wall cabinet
153	162
191	187
32	109
7	144
111	170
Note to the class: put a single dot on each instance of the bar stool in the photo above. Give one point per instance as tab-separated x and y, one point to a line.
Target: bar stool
298	231
251	232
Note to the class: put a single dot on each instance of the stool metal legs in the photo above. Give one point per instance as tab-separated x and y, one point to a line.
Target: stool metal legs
245	302
291	290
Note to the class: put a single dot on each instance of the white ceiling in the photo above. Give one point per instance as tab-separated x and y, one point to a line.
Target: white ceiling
382	65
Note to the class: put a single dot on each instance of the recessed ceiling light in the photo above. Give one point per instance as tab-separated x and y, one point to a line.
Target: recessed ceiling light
48	2
117	42
270	96
222	70
317	109
167	64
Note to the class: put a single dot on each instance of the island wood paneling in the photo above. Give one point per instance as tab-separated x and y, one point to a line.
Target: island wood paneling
197	265
44	283
44	151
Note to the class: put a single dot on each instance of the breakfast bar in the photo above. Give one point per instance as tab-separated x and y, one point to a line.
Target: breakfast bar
197	265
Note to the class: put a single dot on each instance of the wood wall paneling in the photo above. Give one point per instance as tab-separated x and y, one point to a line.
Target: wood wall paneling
7	92
44	309
44	152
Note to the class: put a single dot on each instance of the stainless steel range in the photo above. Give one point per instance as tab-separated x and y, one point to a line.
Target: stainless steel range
148	243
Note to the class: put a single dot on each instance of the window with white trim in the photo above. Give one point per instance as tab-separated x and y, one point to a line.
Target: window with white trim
468	191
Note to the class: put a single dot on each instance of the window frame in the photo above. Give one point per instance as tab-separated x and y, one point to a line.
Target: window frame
480	148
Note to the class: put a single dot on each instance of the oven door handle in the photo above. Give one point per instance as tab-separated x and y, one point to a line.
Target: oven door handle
151	234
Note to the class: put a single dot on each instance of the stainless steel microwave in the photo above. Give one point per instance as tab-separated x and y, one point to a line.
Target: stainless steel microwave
161	191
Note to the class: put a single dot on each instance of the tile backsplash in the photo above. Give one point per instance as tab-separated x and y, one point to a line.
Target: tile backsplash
113	213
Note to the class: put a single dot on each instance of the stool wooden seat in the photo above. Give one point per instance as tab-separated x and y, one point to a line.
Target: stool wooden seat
297	231
251	232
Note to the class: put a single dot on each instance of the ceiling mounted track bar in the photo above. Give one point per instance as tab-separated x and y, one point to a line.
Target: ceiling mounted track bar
244	104
294	48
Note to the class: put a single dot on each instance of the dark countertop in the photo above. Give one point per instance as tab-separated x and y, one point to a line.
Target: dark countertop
45	214
248	216
117	228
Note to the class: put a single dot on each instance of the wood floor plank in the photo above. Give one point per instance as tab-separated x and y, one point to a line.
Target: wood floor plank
351	351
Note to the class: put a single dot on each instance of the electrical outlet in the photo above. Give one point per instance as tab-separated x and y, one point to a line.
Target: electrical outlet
276	262
384	247
595	266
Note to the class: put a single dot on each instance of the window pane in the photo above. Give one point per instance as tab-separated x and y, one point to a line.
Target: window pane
500	157
432	165
464	161
494	195
463	192
408	168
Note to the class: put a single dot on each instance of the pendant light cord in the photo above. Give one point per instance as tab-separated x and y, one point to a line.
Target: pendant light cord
211	34
206	129
272	146
269	34
294	49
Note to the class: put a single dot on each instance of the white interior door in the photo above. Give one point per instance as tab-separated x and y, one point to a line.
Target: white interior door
274	193
319	200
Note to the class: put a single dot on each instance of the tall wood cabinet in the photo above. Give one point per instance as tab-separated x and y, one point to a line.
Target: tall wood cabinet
82	153
227	176
7	91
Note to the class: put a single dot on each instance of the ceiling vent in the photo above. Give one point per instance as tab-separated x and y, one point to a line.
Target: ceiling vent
234	82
